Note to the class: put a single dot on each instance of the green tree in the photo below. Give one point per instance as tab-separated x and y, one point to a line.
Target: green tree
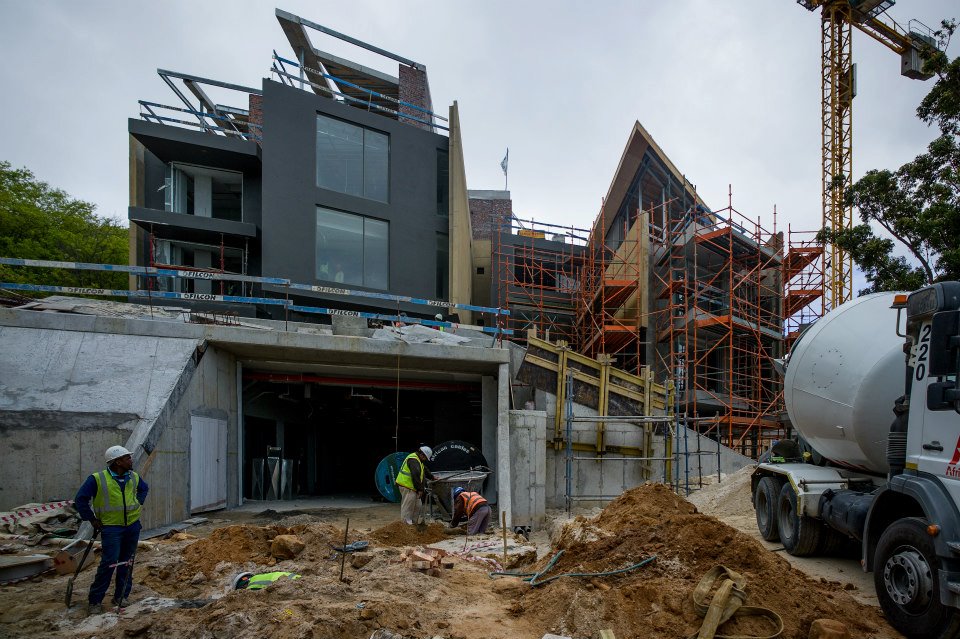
43	223
918	205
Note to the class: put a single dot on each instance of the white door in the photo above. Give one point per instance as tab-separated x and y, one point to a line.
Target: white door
208	464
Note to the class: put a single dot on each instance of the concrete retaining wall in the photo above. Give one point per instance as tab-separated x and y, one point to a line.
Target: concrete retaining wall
209	389
65	396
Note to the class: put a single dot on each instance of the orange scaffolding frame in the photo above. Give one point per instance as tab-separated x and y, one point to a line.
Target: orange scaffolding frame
611	305
538	269
718	283
803	279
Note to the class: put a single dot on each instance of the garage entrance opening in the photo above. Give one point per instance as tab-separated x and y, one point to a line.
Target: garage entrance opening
335	435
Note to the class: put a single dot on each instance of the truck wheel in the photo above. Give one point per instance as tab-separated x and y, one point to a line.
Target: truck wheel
800	534
765	506
906	576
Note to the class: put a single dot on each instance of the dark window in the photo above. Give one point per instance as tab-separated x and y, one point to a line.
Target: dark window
352	249
204	192
443	182
352	159
479	270
443	266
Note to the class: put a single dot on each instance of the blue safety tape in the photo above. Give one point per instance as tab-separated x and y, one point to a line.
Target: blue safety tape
333	290
107	292
398	318
150	271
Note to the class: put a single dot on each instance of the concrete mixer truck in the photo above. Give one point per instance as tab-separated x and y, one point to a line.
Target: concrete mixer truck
872	388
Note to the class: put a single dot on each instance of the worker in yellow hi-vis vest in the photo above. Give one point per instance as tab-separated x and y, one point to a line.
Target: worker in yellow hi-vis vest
411	480
110	500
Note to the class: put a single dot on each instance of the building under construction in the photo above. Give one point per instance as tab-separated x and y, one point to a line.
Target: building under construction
705	298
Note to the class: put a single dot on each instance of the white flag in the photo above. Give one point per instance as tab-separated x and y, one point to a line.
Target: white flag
503	164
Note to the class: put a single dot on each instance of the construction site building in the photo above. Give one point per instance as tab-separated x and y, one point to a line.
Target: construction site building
329	173
664	282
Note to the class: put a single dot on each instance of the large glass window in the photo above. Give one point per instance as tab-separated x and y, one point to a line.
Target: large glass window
352	249
352	159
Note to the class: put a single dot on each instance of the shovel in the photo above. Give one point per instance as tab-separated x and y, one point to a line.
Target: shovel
421	523
69	595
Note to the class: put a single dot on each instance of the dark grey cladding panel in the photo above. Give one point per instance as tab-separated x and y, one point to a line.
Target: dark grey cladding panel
190	227
176	144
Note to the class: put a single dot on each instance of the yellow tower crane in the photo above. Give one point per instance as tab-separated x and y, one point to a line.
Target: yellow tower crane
838	17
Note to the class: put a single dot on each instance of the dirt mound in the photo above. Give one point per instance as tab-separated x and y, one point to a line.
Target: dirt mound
242	544
730	497
234	544
398	533
651	520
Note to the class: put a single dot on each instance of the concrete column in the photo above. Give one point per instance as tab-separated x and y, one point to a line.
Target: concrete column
202	259
488	430
504	481
203	196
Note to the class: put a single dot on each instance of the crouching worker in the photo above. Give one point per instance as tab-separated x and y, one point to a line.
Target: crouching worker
472	507
250	581
110	500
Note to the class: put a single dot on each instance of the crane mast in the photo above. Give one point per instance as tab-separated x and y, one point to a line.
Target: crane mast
838	88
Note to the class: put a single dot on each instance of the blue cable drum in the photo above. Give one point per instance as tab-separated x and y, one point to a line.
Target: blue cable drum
385	475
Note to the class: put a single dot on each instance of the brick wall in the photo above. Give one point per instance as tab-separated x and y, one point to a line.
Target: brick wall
415	89
488	216
256	114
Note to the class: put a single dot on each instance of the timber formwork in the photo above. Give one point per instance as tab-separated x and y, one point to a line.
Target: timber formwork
719	312
537	273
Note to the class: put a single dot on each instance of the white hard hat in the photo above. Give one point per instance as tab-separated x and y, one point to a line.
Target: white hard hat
116	452
240	578
426	451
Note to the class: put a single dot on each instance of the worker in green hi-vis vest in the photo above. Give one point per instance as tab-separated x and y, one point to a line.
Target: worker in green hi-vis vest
411	482
250	581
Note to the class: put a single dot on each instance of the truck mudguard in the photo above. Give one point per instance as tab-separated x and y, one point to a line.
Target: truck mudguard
919	495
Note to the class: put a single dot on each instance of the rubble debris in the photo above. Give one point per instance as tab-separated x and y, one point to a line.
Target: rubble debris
828	629
286	546
182	588
425	560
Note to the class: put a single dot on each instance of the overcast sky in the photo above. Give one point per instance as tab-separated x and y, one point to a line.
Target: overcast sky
730	90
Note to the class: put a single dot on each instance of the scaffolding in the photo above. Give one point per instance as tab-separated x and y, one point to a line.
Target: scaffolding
718	304
537	277
803	280
612	300
161	255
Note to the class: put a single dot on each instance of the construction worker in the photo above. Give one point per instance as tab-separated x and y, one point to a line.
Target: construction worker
111	500
410	480
250	581
472	507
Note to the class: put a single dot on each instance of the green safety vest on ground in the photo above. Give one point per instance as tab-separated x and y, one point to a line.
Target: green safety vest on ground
115	507
404	478
259	582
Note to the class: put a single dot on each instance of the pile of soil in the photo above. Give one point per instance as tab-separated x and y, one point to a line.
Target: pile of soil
233	544
652	520
728	498
398	533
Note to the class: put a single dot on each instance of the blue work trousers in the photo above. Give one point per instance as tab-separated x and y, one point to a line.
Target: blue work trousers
118	548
